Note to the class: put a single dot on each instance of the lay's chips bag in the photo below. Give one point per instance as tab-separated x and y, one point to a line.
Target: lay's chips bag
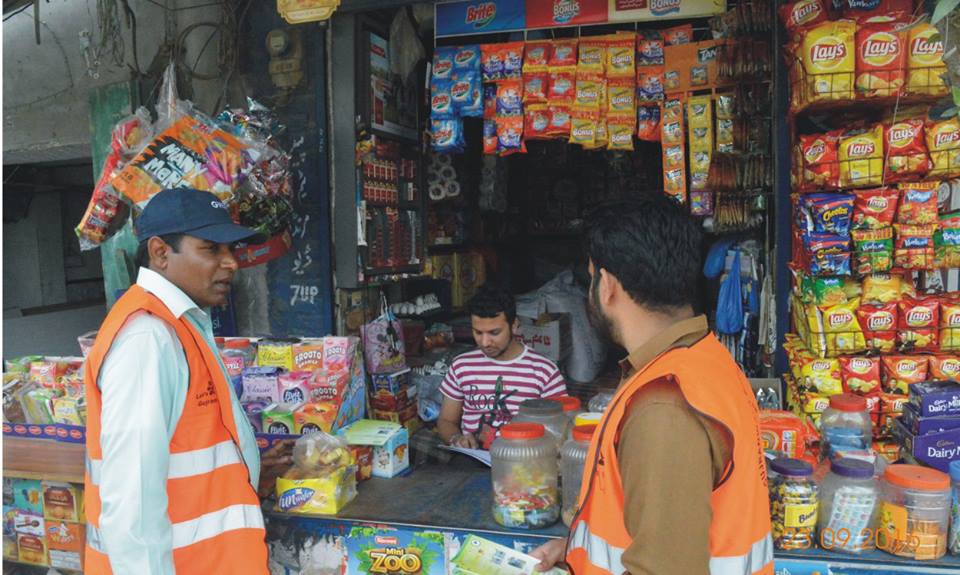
943	141
881	60
828	61
861	158
925	61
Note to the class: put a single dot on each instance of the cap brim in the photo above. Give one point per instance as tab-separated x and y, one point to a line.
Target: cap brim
228	234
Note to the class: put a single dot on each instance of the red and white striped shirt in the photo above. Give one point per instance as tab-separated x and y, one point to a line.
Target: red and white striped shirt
472	379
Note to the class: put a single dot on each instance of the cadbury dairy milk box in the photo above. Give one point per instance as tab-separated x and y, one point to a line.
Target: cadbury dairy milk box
936	398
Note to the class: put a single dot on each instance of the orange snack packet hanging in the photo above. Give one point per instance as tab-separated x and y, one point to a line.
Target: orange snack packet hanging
899	371
943	366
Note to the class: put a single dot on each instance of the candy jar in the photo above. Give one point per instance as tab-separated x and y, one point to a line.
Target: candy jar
549	414
845	426
573	456
793	503
914	512
955	508
524	468
848	506
571	407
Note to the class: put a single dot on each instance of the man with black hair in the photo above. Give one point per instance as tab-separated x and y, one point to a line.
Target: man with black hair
484	388
675	481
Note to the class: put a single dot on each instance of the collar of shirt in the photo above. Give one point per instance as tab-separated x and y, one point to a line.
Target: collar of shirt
682	333
169	294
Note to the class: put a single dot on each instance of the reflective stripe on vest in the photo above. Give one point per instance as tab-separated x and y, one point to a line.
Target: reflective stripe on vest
601	553
186	464
761	553
199	529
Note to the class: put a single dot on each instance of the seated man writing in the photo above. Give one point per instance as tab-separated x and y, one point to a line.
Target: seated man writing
484	388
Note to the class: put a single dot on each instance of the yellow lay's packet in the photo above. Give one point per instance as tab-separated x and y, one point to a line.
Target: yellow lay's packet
828	59
861	158
925	61
943	141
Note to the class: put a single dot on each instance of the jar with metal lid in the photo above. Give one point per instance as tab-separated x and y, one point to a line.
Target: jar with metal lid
955	508
549	414
793	503
524	471
914	512
845	426
848	507
573	456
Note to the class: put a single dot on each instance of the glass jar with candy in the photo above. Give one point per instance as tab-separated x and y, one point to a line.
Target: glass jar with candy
794	498
845	426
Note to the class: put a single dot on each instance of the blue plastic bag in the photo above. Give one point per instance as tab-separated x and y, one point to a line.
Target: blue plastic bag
730	300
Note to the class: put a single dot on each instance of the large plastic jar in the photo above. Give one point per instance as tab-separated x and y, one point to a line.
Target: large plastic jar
573	457
955	508
793	503
845	426
914	512
848	507
524	468
549	414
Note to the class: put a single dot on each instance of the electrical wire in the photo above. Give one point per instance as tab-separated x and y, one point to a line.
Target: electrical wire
18	11
181	9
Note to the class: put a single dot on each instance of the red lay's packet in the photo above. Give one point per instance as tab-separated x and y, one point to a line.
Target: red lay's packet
906	154
875	209
881	60
900	371
879	324
861	374
919	323
943	366
821	169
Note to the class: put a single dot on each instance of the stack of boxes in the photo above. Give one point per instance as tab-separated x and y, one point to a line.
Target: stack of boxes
929	431
394	398
43	523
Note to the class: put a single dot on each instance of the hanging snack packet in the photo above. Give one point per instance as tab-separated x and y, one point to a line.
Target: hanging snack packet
901	371
510	98
441	100
802	14
822	375
861	158
701	204
919	323
464	91
906	151
602	137
590	56
882	288
879	323
559	122
621	57
588	92
491	62
447	135
650	84
828	213
725	136
490	101
466	58
827	57
509	134
678	35
861	375
946	241
875	209
925	61
672	157
881	60
944	367
563	88
535	85
489	136
841	328
950	324
821	168
583	128
536	123
648	123
649	48
620	133
675	183
443	63
829	254
873	250
512	59
536	55
918	203
699	167
914	247
564	55
621	98
943	141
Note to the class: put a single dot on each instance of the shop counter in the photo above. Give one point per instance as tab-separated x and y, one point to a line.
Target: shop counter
818	561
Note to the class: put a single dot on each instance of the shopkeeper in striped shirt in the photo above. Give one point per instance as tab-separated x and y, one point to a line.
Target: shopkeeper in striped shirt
484	388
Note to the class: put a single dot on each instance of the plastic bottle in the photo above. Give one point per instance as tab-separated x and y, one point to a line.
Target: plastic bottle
914	512
524	472
845	426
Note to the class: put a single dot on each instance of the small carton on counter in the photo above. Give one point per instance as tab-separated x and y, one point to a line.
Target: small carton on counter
385	401
936	398
61	501
65	541
363	455
308	356
390	442
479	555
278	418
324	495
275	353
935	449
261	384
313	417
392	383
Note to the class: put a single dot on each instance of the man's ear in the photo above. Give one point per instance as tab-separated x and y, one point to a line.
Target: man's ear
609	286
158	251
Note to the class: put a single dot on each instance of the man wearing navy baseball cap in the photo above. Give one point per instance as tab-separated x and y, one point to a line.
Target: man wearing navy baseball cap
173	467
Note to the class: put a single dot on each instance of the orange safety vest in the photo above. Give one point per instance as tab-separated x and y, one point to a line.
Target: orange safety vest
214	510
713	385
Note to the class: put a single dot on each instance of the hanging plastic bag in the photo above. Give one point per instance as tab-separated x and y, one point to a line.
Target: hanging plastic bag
730	300
383	347
406	50
716	258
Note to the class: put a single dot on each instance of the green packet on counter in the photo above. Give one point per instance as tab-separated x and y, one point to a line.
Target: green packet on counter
478	556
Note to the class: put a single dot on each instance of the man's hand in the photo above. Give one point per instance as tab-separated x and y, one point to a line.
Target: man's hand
467	440
274	462
550	554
